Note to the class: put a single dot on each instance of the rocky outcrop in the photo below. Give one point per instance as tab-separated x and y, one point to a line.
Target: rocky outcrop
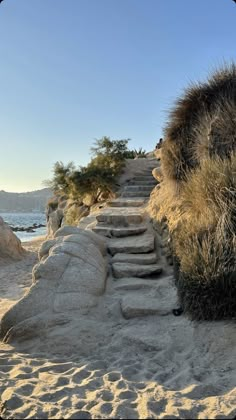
54	220
10	245
61	210
69	278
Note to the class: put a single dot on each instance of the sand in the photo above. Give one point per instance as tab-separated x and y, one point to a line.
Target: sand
16	276
148	367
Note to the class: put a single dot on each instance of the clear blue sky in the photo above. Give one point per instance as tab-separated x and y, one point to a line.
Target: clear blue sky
72	71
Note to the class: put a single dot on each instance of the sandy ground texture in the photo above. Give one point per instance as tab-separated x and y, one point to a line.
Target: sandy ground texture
16	276
111	367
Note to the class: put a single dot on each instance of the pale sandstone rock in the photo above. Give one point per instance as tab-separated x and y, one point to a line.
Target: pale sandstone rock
119	232
70	234
120	217
138	188
71	278
134	283
126	202
55	219
45	247
132	245
150	258
134	270
136	193
10	245
137	306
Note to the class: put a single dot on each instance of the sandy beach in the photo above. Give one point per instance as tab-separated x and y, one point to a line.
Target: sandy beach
16	276
152	367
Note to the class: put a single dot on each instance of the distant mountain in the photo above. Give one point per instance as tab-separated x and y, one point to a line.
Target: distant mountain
33	201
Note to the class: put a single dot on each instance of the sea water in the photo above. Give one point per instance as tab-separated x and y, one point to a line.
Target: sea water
26	220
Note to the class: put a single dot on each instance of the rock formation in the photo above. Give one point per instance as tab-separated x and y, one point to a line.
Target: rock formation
10	245
70	276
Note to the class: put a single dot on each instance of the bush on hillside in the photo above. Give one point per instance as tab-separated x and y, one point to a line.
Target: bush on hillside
98	179
202	124
200	207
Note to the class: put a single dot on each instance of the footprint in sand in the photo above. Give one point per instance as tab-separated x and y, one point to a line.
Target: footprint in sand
113	376
78	377
128	395
106	395
80	415
106	409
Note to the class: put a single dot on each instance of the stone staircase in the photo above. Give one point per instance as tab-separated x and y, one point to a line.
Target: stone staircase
135	263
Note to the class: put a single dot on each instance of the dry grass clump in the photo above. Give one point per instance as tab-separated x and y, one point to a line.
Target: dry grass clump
201	216
197	197
202	124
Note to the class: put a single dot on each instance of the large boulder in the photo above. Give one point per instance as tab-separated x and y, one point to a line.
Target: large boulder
68	280
10	245
54	221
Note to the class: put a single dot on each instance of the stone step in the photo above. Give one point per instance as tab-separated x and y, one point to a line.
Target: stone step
136	194
124	216
143	178
109	231
141	259
138	188
126	202
135	270
146	183
148	170
132	245
137	306
134	283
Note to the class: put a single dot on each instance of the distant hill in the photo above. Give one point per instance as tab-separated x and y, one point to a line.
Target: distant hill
33	201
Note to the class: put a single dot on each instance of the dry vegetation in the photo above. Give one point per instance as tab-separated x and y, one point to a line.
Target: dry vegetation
197	196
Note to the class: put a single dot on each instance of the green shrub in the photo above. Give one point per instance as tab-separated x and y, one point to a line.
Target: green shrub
98	178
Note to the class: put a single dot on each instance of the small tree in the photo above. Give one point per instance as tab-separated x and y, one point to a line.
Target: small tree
61	177
115	149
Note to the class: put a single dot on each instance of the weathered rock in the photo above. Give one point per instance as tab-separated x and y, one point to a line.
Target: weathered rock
119	232
146	183
127	202
102	230
120	217
70	233
132	245
70	279
133	283
138	188
144	178
136	194
55	219
135	270
150	258
10	245
45	247
137	306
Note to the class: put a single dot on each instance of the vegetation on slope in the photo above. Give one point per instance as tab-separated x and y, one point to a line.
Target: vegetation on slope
197	196
97	181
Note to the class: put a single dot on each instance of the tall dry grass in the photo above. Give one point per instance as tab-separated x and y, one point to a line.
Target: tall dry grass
201	217
201	124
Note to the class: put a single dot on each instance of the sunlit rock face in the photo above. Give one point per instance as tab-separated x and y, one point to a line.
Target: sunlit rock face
10	245
67	283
